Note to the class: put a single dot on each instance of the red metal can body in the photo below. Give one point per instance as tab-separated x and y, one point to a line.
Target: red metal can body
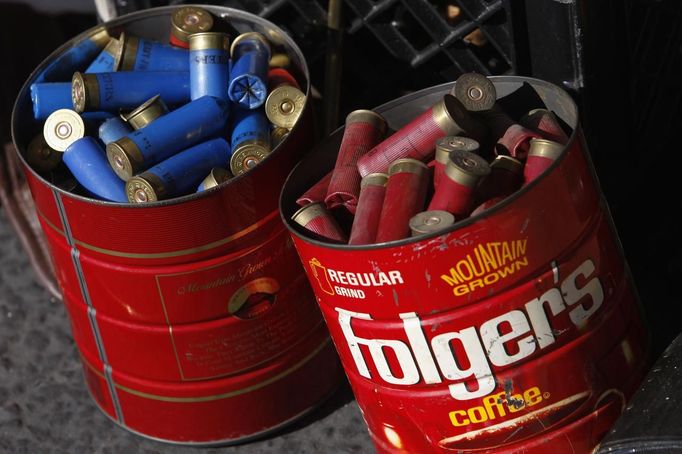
192	316
515	330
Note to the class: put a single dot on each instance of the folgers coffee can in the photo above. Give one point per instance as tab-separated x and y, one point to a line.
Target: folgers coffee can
192	316
515	330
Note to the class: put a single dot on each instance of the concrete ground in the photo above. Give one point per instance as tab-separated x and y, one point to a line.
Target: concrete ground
45	407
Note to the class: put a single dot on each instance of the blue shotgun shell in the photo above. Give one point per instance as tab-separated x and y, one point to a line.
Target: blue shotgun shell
127	90
87	161
250	54
104	63
76	57
113	129
188	125
179	174
138	54
48	97
250	139
208	69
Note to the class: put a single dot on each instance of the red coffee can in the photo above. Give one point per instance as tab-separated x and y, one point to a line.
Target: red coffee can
368	212
405	196
191	315
514	331
364	129
455	193
416	140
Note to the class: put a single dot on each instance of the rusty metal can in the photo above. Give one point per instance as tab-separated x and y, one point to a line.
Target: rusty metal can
447	117
285	100
517	330
428	222
189	313
364	129
455	192
368	212
188	20
406	188
444	146
545	122
317	219
541	156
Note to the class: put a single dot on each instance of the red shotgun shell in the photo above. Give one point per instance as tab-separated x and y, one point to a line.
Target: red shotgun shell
512	138
444	146
430	221
364	129
506	176
455	193
405	196
415	140
366	221
316	218
475	91
545	122
541	155
317	192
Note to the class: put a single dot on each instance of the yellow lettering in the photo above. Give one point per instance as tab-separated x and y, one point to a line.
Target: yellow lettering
477	414
478	283
453	279
506	253
532	396
494	402
454	418
460	290
487	258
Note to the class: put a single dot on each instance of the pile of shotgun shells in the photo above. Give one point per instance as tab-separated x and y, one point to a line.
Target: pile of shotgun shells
460	157
143	121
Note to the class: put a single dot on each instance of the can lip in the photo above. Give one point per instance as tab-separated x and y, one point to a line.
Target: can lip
507	85
250	35
209	41
62	128
182	30
374	179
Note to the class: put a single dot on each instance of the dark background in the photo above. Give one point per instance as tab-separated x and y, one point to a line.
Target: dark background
620	59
